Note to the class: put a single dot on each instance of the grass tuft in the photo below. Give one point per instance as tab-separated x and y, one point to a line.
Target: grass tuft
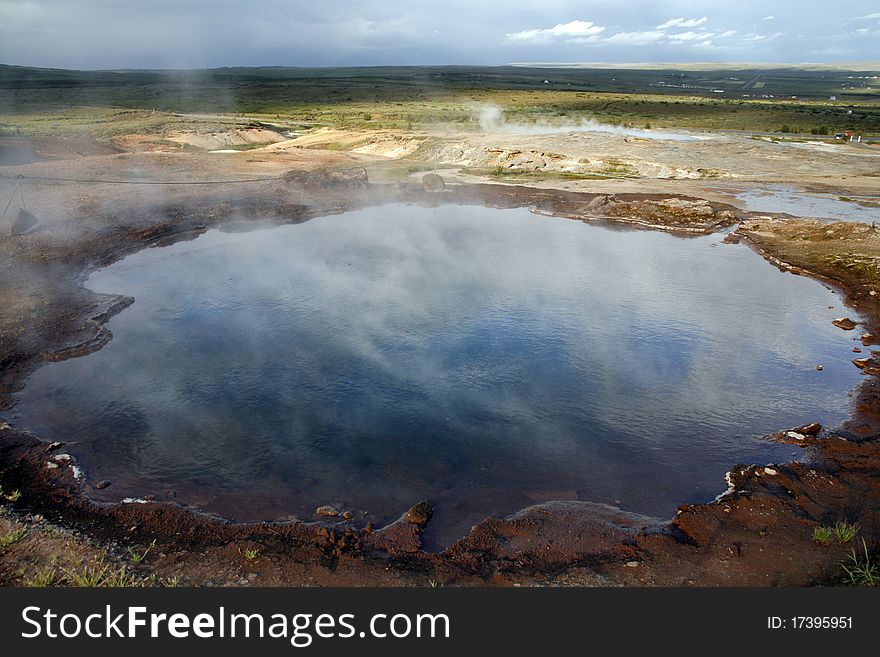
42	578
12	537
823	534
844	531
861	570
137	557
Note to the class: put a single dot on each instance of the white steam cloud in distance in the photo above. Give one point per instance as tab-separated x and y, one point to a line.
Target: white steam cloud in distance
491	118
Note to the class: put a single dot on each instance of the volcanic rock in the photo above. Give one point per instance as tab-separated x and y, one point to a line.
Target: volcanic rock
419	514
433	183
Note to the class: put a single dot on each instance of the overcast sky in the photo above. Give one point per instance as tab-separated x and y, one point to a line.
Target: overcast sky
207	33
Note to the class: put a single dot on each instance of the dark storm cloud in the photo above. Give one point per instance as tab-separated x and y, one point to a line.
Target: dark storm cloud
168	34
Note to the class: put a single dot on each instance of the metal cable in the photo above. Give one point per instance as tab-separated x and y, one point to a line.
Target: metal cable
12	196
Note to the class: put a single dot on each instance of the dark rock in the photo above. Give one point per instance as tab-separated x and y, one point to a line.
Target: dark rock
326	512
433	183
419	514
21	222
732	238
347	515
104	483
598	203
845	323
809	429
862	363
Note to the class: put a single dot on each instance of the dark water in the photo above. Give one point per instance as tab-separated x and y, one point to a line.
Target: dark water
482	359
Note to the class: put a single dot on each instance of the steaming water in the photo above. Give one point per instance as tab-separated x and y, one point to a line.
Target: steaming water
483	359
491	118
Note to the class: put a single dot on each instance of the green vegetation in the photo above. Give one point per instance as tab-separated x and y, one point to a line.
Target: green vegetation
250	555
105	104
860	569
12	537
137	557
860	201
42	578
13	497
521	175
845	532
100	575
96	573
823	534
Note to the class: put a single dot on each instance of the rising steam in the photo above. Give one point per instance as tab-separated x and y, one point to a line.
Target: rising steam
491	118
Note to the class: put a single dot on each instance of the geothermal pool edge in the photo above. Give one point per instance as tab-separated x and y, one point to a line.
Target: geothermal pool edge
757	534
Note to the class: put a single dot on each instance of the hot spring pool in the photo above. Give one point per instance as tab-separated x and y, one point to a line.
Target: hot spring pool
482	359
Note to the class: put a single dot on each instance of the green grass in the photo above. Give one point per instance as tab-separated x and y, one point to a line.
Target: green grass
12	537
250	555
860	569
860	201
42	578
136	556
102	105
823	534
519	175
100	575
844	531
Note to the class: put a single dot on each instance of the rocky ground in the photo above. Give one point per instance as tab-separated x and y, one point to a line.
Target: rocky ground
760	532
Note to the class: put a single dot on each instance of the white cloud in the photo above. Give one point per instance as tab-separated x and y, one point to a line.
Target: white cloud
763	37
726	34
573	30
682	22
704	44
868	17
635	38
689	36
768	18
